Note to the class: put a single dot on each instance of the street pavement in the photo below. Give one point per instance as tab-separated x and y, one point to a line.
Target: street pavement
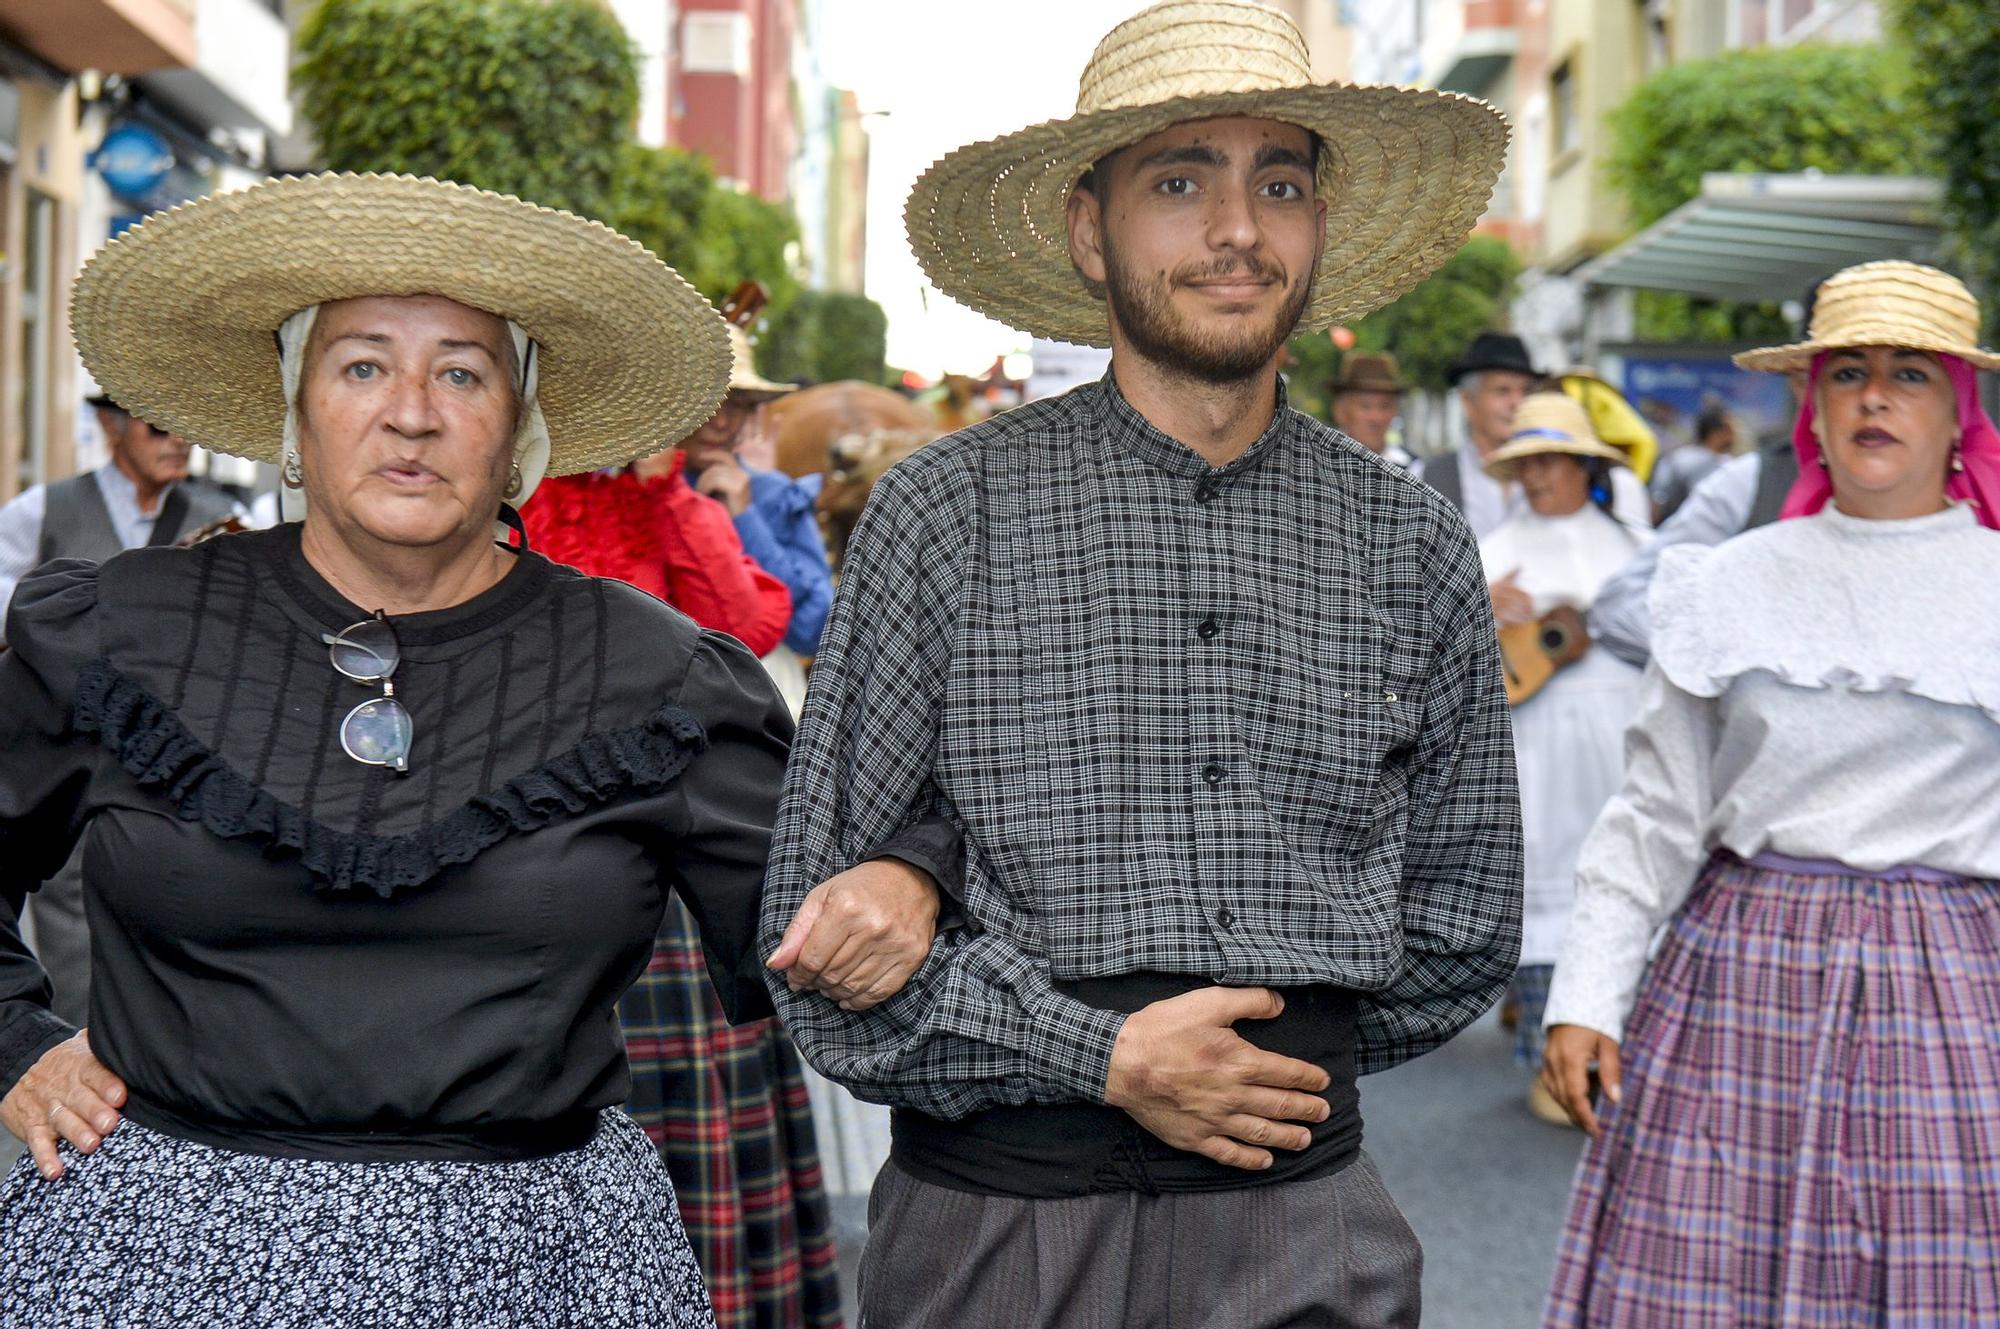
1483	1183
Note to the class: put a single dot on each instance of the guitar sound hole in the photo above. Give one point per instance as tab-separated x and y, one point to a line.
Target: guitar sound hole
1555	638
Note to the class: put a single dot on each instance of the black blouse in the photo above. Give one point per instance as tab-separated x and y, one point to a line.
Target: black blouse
297	954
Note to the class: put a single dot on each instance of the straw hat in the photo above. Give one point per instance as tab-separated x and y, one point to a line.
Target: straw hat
1890	303
1548	422
1404	174
177	318
744	380
1369	371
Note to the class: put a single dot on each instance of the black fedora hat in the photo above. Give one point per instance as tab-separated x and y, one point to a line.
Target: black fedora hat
1493	350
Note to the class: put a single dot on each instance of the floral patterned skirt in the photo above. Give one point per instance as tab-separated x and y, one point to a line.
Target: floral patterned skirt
154	1231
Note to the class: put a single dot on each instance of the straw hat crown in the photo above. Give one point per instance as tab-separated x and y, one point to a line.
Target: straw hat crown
1193	48
1888	303
1549	422
1404	173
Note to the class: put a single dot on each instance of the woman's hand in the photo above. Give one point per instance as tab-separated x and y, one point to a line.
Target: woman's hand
859	936
67	1094
1567	1056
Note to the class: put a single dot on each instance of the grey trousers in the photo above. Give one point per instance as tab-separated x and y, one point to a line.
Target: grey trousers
62	941
1334	1253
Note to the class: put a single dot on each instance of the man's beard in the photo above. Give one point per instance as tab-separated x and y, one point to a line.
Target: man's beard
1159	333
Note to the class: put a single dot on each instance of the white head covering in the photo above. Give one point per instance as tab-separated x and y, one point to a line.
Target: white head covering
531	436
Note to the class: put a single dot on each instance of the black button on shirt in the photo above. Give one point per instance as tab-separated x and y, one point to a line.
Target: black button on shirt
1212	773
1207	628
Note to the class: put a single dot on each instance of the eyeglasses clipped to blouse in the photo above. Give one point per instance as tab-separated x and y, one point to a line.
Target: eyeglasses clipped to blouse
379	731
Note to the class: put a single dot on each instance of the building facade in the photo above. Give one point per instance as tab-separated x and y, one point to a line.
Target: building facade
111	109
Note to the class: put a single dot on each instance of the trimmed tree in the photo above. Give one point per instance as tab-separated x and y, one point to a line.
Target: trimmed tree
1954	47
1838	109
825	337
528	97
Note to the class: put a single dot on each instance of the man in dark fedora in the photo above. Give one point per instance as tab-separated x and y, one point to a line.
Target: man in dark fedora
1367	398
1492	377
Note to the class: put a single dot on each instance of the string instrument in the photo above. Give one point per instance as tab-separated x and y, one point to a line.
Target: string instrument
1531	653
230	525
744	304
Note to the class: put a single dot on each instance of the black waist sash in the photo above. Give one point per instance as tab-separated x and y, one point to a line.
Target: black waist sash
1062	1150
503	1143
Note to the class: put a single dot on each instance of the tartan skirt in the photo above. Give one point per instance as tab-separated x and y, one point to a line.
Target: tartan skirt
1810	1132
729	1111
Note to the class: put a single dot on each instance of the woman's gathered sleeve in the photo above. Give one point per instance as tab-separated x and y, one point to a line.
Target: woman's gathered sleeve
1641	859
45	769
721	811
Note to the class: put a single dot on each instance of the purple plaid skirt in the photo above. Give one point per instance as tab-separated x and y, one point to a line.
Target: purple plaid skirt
1810	1133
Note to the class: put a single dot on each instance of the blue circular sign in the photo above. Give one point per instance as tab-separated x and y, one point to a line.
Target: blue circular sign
133	160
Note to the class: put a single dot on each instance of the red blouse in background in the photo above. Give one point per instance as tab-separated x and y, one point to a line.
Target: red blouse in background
662	537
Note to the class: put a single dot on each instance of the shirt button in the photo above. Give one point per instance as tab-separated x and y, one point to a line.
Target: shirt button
1224	917
1212	773
1206	488
1207	628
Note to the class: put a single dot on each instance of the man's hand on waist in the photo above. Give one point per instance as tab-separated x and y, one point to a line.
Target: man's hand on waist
1181	1071
859	935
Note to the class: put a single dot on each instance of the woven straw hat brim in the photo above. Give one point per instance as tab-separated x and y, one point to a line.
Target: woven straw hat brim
1505	464
1886	303
176	319
1405	174
1799	355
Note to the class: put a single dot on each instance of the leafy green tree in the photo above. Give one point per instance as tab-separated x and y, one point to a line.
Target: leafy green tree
1838	109
1426	329
660	199
827	336
744	238
528	97
1955	49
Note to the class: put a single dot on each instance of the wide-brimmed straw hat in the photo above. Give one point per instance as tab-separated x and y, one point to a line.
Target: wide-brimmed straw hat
1369	371
177	318
1548	422
744	380
1404	173
1888	303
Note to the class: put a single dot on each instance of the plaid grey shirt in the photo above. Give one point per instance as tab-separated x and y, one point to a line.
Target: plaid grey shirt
1245	723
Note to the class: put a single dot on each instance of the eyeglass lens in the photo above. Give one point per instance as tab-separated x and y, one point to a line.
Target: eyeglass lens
365	652
378	732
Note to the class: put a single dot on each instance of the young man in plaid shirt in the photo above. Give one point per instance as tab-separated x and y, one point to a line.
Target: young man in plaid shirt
1213	693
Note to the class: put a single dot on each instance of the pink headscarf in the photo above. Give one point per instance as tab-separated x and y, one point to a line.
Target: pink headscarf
1978	450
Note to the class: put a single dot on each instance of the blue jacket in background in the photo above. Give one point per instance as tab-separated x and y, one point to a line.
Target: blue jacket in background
780	529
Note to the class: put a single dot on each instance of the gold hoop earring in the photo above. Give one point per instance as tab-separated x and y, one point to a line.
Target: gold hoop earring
293	472
515	482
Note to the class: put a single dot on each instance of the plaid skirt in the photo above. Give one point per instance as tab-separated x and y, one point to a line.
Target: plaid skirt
729	1111
1810	1133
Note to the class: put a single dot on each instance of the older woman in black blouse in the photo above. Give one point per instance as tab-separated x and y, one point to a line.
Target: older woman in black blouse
379	814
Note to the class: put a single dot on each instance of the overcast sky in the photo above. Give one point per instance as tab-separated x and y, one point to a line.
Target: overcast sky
949	72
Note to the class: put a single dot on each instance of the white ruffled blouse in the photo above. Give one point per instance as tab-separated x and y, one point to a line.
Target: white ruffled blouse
1824	688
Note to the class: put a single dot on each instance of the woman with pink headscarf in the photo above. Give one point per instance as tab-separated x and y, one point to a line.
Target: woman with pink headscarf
1799	1116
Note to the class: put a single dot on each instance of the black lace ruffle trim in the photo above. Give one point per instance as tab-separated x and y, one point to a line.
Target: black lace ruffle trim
152	744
